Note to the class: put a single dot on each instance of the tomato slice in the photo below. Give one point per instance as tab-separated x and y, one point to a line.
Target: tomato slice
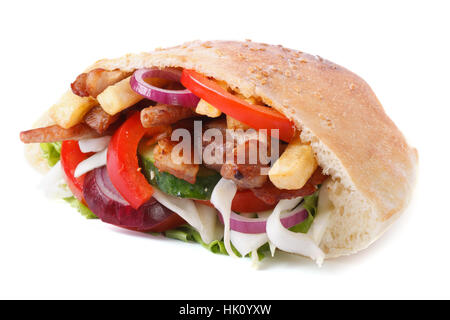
244	202
71	156
122	161
257	117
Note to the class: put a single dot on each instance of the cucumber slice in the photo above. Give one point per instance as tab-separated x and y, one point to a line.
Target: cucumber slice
167	183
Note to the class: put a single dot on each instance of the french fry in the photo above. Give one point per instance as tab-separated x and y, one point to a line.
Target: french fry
204	108
70	109
295	166
118	97
234	124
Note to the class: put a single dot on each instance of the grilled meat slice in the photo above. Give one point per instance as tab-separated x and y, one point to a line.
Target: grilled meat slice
99	120
164	114
95	81
178	165
271	194
55	133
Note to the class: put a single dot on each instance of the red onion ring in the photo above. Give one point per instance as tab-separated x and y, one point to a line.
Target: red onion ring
258	225
183	98
106	202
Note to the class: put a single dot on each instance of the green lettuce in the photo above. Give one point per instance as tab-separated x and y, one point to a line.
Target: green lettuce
187	233
81	208
51	151
310	204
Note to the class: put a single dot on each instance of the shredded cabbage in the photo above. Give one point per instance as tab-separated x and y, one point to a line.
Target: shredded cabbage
321	218
94	144
187	209
221	198
290	241
95	161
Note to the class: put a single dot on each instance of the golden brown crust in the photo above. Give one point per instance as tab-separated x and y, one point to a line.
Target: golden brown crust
336	105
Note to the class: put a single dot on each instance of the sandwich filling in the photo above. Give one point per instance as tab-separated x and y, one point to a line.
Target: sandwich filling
171	151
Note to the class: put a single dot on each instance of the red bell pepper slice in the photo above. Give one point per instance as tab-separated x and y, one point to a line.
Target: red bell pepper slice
122	161
257	117
71	156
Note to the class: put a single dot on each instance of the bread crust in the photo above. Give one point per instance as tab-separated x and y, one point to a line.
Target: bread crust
326	101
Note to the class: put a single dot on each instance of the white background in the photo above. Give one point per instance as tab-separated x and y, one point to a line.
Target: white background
47	250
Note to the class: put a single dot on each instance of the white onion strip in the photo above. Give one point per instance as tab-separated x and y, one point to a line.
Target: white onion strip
211	229
94	144
221	198
246	243
265	215
199	217
185	208
321	220
96	161
291	241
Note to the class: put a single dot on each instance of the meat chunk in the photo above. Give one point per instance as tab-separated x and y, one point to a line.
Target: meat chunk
241	156
79	86
249	167
56	133
271	194
183	166
95	81
163	114
245	176
99	120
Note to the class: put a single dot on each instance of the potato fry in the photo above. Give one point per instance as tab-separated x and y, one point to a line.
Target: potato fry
118	97
70	109
204	108
295	166
234	124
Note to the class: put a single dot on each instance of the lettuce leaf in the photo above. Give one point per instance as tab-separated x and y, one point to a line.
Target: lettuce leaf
310	204
81	208
51	151
187	233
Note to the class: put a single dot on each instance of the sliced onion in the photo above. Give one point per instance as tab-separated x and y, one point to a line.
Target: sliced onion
289	241
258	225
266	214
246	243
189	211
211	228
324	210
94	144
183	98
104	200
221	198
96	161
